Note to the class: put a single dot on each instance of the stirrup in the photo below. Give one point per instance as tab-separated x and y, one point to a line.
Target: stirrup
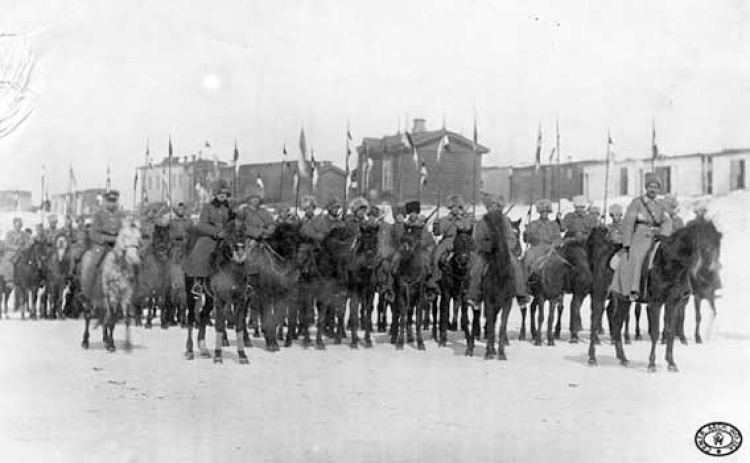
197	290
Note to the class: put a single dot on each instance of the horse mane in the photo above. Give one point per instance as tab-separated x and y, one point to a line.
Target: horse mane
285	239
462	242
500	278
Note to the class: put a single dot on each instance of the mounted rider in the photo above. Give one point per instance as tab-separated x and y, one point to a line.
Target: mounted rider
315	228
700	209
448	227
211	228
179	231
646	218
284	214
102	235
673	207
577	225
416	224
358	217
16	240
614	229
542	235
483	245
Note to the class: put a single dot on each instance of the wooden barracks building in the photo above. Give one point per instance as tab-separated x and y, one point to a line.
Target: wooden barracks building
394	177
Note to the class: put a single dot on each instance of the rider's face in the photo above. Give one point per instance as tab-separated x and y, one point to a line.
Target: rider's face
222	197
652	189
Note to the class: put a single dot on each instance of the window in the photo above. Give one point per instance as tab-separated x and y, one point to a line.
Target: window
623	181
664	174
737	174
387	174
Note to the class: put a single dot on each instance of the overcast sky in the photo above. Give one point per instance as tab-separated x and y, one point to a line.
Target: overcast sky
111	75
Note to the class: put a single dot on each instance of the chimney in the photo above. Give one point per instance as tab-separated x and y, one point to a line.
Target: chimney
419	126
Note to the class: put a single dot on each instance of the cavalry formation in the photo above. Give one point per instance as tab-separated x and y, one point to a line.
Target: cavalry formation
241	268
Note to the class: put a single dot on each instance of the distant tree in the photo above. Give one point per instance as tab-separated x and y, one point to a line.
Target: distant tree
17	100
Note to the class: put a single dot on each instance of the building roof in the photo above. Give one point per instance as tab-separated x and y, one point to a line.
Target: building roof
397	143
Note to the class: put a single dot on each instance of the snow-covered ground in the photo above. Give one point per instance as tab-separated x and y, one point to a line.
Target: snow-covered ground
61	403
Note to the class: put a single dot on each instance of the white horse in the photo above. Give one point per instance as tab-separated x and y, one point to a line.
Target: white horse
118	280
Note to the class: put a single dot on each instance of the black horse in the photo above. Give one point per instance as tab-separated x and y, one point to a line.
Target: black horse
692	250
153	278
454	282
29	275
362	279
408	270
498	288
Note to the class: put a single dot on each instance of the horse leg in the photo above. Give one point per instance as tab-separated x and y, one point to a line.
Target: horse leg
490	315
321	324
534	318
680	321
522	334
638	310
539	302
712	304
444	315
128	341
697	306
403	314
503	340
240	330
671	320
87	323
551	336
369	305
575	317
410	311
356	305
151	302
422	308
220	309
626	332
597	307
654	316
622	310
559	304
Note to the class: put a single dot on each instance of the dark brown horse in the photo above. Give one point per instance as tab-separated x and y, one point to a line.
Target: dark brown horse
59	278
29	270
498	288
692	250
454	282
408	270
153	278
362	279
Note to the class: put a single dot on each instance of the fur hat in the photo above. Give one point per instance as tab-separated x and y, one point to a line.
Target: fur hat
333	202
358	203
413	207
700	206
651	177
454	200
596	210
671	202
615	209
221	186
396	210
282	207
309	201
374	211
580	201
52	218
490	199
543	205
253	192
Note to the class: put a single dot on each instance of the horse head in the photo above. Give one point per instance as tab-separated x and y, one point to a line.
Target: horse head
61	246
705	266
368	240
462	247
160	240
127	244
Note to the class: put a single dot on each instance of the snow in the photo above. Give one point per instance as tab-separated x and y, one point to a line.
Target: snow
61	403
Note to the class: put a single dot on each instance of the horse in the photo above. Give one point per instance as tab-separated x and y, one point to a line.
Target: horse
273	277
176	302
498	289
59	282
329	285
361	278
690	251
454	282
704	283
578	280
153	278
29	269
409	274
115	286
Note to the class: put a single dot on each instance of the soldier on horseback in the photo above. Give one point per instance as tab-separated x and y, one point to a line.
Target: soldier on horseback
543	235
284	214
484	245
614	229
701	209
578	224
645	219
103	234
456	221
359	208
211	228
673	206
16	240
416	223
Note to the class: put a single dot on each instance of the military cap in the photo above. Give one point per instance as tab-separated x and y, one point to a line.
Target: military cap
333	202
112	195
700	206
253	191
358	203
374	211
652	178
308	201
413	207
615	209
543	205
282	208
595	210
580	201
220	187
490	199
52	219
396	210
454	200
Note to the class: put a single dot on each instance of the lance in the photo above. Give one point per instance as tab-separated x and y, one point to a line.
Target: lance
606	177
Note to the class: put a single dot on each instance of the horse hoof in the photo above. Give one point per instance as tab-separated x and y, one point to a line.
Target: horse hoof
218	360
110	348
537	342
148	326
597	341
288	342
522	337
256	333
627	341
698	340
593	362
354	345
501	356
205	354
225	342
652	368
489	355
638	337
420	345
557	335
673	368
683	341
624	362
573	340
368	343
393	340
320	345
469	352
244	360
306	343
550	342
337	342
